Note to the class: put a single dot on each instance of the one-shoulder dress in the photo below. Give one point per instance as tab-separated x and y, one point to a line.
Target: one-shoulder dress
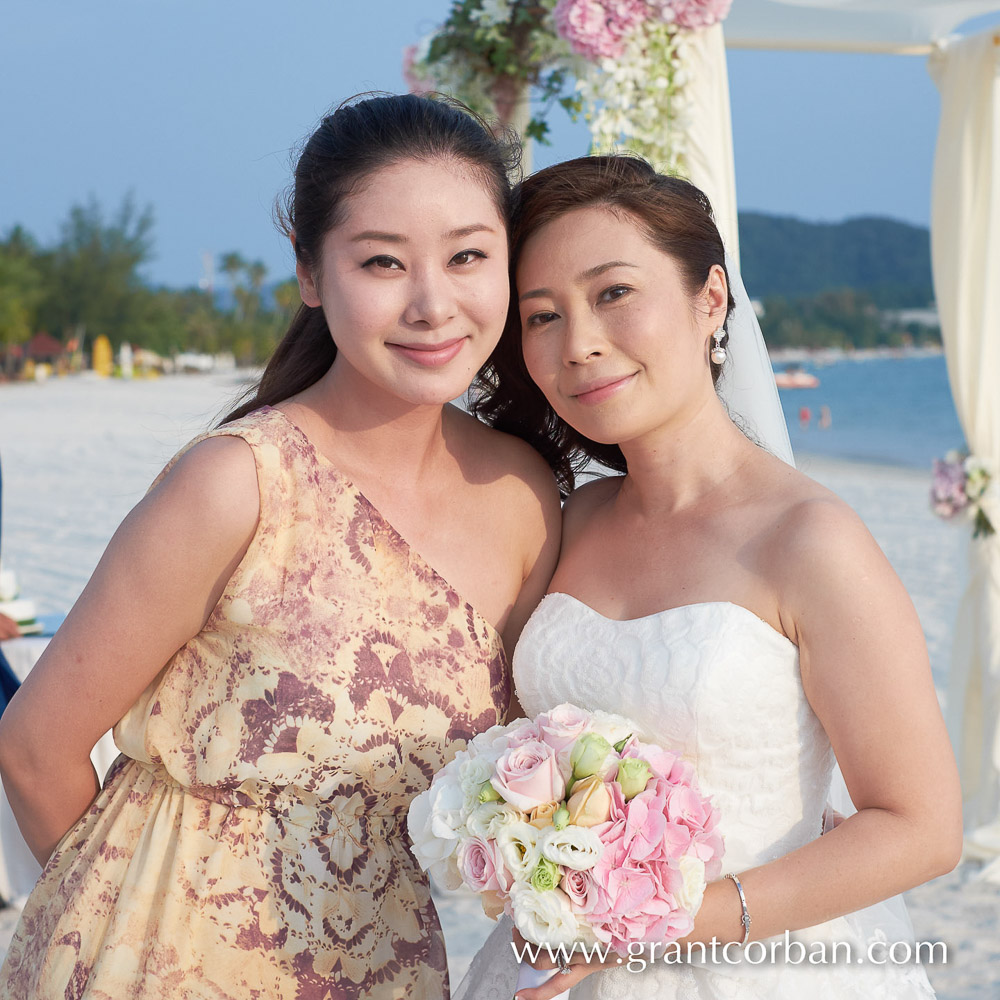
250	840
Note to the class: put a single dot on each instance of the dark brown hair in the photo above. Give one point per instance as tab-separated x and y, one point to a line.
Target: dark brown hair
359	138
676	218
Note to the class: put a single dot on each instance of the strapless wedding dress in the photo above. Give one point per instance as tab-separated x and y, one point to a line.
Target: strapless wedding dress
721	686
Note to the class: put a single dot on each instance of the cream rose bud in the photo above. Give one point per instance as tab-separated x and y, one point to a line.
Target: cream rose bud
574	847
528	776
543	816
590	802
544	917
518	844
691	893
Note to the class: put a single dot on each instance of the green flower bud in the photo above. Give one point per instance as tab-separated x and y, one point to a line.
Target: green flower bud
487	793
560	818
589	754
632	776
545	876
620	745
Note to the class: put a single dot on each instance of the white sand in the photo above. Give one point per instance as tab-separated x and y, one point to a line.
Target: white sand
79	453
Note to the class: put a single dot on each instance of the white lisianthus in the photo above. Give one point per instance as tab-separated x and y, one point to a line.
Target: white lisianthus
487	819
576	847
435	822
544	917
693	891
472	774
519	846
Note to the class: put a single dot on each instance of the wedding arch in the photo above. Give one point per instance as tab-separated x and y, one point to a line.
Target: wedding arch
651	75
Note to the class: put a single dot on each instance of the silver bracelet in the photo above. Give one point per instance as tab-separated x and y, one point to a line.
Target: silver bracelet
745	918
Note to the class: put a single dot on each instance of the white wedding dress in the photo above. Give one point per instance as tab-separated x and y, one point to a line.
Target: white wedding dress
721	686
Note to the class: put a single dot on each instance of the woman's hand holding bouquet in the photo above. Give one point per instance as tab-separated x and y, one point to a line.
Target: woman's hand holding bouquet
581	833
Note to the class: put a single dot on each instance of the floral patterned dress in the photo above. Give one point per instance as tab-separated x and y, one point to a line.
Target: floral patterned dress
250	840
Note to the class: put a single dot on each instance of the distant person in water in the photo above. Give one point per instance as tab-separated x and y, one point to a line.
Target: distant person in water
825	418
805	417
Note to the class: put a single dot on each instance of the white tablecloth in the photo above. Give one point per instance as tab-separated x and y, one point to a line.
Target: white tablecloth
18	868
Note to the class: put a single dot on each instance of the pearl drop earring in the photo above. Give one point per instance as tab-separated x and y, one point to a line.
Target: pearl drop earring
718	351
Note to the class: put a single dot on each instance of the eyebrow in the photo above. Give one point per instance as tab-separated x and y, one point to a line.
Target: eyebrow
591	272
454	234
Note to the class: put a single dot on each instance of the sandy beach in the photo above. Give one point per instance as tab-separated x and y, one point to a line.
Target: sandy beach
78	453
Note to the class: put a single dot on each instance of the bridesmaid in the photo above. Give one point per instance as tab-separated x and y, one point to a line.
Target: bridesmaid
302	621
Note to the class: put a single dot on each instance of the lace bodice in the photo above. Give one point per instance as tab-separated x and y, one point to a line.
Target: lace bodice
712	681
720	685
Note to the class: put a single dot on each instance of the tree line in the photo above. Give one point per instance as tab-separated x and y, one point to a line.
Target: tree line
89	282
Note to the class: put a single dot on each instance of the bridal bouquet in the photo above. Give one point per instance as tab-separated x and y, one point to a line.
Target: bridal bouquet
574	828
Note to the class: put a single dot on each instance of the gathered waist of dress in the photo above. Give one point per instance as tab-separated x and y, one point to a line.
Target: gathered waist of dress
349	814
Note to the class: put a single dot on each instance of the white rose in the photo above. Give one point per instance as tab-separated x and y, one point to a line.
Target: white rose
486	820
519	846
613	728
576	847
435	822
693	891
544	917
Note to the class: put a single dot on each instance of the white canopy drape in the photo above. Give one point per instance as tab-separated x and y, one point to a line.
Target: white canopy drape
965	246
965	239
849	25
710	133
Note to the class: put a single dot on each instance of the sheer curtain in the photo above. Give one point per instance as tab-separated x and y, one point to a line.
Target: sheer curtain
965	249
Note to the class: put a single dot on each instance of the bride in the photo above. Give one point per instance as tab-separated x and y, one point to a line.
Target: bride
735	609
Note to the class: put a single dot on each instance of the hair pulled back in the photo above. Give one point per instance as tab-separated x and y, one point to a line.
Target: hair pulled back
676	218
362	136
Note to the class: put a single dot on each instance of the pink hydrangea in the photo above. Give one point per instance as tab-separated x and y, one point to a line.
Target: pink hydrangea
597	29
692	13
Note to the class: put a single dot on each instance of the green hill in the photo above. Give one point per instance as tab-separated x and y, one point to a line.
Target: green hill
787	257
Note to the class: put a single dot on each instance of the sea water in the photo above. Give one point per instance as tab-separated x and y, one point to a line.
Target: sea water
893	410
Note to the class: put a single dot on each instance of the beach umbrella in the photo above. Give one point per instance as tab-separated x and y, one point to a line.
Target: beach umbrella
965	252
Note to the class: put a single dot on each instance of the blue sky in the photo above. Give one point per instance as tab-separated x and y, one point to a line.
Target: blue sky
196	106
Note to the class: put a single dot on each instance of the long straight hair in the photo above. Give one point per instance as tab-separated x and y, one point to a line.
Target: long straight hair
351	144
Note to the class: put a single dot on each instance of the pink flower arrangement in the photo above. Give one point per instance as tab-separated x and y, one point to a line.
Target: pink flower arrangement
575	828
598	29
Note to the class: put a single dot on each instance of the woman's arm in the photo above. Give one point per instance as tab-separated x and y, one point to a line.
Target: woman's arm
158	581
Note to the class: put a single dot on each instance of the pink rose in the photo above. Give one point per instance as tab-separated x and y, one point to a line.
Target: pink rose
528	776
482	866
583	892
560	727
526	733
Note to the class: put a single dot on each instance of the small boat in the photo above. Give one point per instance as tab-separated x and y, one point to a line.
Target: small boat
794	377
